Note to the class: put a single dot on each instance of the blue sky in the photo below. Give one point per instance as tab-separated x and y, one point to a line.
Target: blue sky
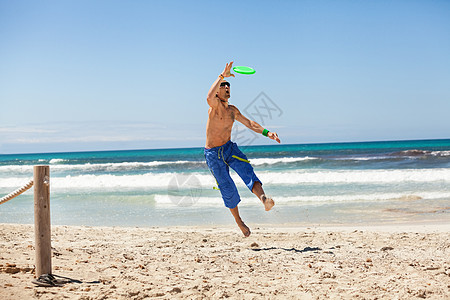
106	75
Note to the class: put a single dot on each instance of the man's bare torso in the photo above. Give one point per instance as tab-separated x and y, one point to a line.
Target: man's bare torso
219	125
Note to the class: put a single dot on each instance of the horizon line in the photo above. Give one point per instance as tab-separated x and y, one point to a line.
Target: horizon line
242	146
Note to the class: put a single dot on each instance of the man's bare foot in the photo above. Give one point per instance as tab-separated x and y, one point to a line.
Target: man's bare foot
245	230
268	202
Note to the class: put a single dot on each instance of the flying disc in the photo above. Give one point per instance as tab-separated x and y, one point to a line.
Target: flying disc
244	70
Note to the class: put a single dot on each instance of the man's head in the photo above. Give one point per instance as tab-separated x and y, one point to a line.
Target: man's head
224	91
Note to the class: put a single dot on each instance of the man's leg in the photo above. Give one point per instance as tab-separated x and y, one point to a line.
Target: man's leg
242	166
245	230
259	192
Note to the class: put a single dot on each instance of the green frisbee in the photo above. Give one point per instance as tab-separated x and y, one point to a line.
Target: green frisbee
244	70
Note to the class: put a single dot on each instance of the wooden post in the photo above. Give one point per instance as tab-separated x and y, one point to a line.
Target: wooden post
42	232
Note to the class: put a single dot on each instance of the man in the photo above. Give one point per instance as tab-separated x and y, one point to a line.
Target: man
221	153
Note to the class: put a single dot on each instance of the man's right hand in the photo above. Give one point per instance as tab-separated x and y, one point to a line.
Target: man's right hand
227	71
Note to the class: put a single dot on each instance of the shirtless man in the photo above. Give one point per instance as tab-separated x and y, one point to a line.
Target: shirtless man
221	153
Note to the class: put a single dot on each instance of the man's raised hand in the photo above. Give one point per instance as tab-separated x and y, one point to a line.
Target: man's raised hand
227	71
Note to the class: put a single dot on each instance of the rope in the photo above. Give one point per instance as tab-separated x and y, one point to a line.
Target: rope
17	192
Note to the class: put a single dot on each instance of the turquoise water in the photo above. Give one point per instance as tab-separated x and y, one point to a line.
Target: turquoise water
371	182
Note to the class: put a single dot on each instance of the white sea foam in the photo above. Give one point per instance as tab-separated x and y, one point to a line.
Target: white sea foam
145	181
60	165
357	176
116	167
56	160
126	166
271	161
363	158
198	199
440	153
123	166
161	180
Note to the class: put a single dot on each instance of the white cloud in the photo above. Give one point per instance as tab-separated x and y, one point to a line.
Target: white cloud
110	134
23	130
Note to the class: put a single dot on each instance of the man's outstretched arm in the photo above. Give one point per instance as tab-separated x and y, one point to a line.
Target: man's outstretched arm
255	126
211	98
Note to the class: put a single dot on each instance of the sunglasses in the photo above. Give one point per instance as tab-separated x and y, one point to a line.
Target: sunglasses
225	84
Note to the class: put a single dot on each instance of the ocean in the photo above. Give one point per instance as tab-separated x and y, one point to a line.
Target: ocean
312	184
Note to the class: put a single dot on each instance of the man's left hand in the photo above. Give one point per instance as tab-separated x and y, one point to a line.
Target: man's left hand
273	136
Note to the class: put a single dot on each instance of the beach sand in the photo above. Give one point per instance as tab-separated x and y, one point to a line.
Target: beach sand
377	262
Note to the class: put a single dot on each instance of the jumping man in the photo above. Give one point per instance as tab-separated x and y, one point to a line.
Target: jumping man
221	153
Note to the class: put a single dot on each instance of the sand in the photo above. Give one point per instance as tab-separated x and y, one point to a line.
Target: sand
378	262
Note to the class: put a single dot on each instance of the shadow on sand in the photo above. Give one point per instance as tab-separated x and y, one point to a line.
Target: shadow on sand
306	249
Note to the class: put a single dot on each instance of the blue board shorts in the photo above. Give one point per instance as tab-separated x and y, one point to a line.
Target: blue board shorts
219	160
